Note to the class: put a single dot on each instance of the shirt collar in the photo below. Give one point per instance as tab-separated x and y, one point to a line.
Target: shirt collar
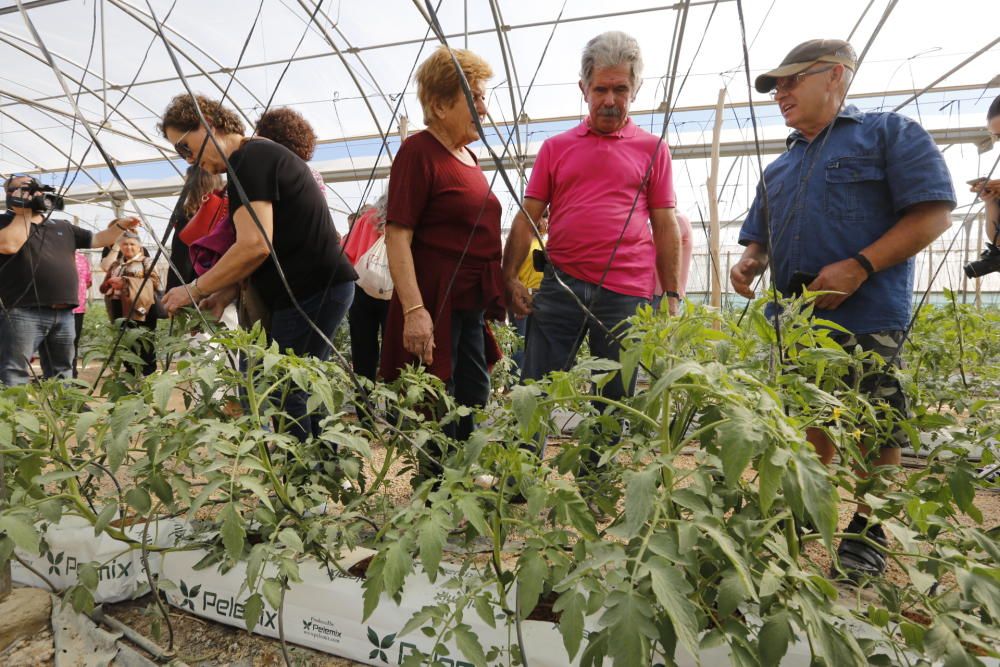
627	130
849	112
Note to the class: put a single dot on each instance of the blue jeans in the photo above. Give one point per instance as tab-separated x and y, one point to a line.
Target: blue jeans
557	326
24	331
292	331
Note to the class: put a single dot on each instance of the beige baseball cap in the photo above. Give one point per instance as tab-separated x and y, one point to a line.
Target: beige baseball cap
805	55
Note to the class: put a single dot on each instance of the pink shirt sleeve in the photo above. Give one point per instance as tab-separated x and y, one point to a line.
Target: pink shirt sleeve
540	181
661	181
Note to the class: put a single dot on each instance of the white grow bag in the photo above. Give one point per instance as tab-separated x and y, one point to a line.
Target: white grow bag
120	571
325	615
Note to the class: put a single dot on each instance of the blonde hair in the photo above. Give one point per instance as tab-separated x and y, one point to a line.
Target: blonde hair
438	81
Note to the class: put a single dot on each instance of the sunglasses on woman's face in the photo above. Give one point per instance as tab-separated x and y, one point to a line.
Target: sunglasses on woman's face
182	147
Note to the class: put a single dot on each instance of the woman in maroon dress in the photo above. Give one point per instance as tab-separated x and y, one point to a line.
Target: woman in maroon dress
443	243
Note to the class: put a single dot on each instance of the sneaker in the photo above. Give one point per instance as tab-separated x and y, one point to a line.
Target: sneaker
859	560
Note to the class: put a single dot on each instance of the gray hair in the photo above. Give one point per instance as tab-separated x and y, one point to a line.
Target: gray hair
381	206
610	49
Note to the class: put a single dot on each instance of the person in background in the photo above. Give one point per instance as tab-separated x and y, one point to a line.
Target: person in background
532	280
200	184
443	244
989	191
295	228
880	193
290	129
687	249
85	280
129	290
39	288
368	314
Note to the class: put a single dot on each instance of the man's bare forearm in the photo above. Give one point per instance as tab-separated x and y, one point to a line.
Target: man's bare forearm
667	241
916	230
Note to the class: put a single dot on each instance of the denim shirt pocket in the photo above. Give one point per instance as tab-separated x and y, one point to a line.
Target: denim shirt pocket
855	187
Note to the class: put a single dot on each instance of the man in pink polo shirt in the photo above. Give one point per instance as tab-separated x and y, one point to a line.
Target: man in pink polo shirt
608	185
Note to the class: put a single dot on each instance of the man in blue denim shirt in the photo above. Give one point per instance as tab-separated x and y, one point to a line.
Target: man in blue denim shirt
847	207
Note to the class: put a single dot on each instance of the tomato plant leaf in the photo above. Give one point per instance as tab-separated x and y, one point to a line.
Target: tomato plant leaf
531	573
232	531
253	608
671	590
640	494
570	606
468	644
21	532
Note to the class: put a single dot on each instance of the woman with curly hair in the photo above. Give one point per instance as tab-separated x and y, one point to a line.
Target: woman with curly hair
290	129
442	239
277	186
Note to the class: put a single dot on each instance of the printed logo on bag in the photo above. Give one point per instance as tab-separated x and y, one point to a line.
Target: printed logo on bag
407	649
222	604
113	569
190	595
54	561
381	645
320	628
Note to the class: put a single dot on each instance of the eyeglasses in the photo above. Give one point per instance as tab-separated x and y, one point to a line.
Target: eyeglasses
790	83
182	147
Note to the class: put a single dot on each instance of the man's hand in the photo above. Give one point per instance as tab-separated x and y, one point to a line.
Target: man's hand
418	335
743	273
518	298
116	283
843	277
990	191
176	299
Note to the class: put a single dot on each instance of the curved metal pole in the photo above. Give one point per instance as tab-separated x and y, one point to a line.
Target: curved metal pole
53	145
354	78
79	82
145	21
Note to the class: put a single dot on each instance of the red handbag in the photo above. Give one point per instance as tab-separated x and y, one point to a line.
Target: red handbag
214	207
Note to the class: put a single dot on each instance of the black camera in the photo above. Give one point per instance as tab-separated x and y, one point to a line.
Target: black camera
988	262
40	198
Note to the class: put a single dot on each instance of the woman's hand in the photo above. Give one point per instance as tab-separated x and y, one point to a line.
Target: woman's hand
176	299
418	335
217	302
116	283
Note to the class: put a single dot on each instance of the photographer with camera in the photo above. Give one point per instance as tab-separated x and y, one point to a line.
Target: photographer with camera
38	280
989	192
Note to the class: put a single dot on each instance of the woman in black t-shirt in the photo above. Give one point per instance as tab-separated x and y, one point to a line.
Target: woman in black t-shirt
287	202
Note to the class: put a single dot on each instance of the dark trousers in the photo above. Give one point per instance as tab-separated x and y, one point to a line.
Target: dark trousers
367	323
520	325
290	330
557	326
469	383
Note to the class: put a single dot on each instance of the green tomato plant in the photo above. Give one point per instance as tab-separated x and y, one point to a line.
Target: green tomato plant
693	514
